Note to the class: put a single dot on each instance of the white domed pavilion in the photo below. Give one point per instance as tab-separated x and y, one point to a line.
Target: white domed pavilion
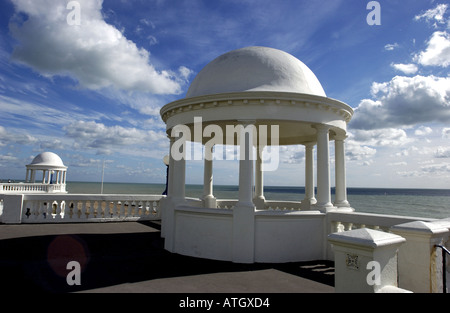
53	176
254	88
52	167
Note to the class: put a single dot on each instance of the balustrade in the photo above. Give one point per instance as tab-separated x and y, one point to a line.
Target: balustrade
282	206
31	188
340	222
70	208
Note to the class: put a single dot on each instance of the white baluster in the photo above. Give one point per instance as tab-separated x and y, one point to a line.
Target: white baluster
140	209
126	206
133	209
57	205
155	208
121	209
83	214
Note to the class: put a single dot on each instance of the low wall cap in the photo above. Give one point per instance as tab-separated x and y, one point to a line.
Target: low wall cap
365	237
419	227
442	223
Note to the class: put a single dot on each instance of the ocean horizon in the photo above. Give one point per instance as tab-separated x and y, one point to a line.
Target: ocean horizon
427	203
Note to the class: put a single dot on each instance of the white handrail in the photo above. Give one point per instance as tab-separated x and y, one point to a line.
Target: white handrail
44	208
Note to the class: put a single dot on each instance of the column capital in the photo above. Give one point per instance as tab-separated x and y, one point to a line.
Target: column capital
340	137
321	127
311	144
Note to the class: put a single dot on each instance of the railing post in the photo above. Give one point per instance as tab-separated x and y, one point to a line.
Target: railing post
444	266
418	263
445	223
365	261
12	209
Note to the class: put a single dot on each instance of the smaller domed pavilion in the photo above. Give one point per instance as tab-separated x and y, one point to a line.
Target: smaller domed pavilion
53	176
52	167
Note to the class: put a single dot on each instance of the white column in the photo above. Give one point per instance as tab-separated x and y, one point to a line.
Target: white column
33	176
246	171
167	210
309	177
179	177
209	201
43	176
341	188
26	178
171	165
323	168
244	211
259	199
175	195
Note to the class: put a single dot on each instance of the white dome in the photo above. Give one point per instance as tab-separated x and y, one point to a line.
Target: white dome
255	69
48	159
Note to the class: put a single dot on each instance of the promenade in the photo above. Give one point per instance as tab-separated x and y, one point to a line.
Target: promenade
128	257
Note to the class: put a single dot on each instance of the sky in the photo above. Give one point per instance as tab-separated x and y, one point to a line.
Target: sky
86	80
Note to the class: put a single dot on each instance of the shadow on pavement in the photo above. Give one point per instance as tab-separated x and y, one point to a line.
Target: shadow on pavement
38	264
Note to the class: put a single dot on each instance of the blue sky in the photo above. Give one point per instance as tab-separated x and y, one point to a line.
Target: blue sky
92	92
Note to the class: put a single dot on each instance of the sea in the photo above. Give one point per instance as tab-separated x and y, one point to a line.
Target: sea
427	203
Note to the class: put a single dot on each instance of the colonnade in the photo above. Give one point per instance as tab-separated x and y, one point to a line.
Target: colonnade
49	176
250	171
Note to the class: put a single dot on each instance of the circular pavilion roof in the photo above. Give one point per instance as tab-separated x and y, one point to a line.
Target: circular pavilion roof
255	69
47	159
261	86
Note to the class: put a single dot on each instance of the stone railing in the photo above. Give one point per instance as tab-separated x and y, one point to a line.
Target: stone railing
347	221
31	188
343	221
226	203
72	208
282	206
269	205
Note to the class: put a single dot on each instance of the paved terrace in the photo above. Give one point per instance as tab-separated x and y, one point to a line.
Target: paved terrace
129	257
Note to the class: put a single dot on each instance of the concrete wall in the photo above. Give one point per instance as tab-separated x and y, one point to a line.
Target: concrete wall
289	237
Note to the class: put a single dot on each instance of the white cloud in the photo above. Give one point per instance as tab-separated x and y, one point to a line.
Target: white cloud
446	133
7	137
423	131
7	159
436	169
291	154
404	101
381	137
405	68
354	151
435	15
398	164
105	139
17	112
437	52
442	152
94	53
391	46
430	170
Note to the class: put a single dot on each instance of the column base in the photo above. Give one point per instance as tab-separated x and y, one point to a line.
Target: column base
342	204
209	202
324	208
307	204
259	202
